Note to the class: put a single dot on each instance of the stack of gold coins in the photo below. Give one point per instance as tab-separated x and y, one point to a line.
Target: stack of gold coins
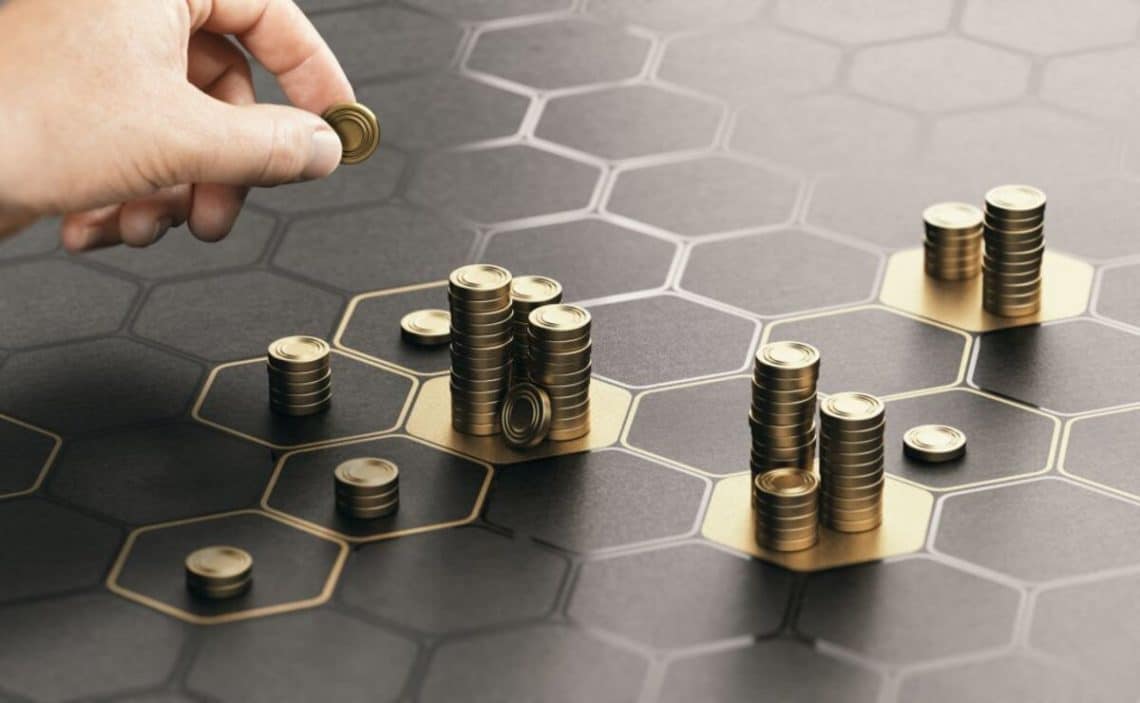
559	363
481	340
219	572
953	243
852	429
300	376
1015	249
785	503
367	488
782	416
527	294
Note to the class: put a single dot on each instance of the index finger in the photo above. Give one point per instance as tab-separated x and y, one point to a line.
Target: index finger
283	40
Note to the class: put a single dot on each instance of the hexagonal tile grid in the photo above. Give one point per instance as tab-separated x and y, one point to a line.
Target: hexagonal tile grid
1049	365
706	195
376	41
630	121
1113	299
593	501
36	240
1101	83
437	488
904	353
295	654
634	341
372	327
750	599
1012	677
673	15
29	451
368	183
883	611
374	248
1054	24
1101	449
481	10
857	23
559	53
539	662
1091	217
556	251
504	580
1041	530
781	272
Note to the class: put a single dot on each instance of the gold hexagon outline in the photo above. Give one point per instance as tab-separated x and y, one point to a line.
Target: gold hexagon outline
1063	454
196	413
291	606
57	444
350	311
480	499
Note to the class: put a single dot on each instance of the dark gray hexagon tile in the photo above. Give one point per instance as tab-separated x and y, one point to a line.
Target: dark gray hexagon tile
374	329
370	182
1057	26
699	594
443	110
886	612
26	452
86	630
559	53
778	273
856	23
161	473
1090	83
597	500
1040	530
702	425
895	353
503	183
235	315
629	121
1013	677
49	549
378	41
90	377
1092	217
157	697
635	341
436	487
366	399
37	239
43	302
503	580
789	671
384	247
543	662
939	74
1103	449
673	15
620	261
1002	440
1049	365
1117	295
483	10
706	195
289	564
307	656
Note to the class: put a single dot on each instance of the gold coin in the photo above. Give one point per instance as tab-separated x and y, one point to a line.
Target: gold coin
298	353
480	281
559	321
1015	201
526	416
852	407
934	443
788	355
358	129
536	289
367	474
953	216
218	565
787	483
427	328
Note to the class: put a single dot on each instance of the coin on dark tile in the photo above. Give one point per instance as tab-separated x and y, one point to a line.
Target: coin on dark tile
427	328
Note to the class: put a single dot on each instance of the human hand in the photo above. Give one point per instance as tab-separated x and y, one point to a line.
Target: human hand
132	117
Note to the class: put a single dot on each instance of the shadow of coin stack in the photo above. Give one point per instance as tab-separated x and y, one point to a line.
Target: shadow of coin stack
782	416
300	376
527	294
953	244
851	450
559	363
367	488
1015	250
785	504
481	339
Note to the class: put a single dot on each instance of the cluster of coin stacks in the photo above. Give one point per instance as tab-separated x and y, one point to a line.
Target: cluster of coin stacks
1015	248
559	363
367	488
300	376
953	244
219	572
851	444
527	294
782	416
785	503
481	341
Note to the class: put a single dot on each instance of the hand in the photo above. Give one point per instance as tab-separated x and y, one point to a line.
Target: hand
132	117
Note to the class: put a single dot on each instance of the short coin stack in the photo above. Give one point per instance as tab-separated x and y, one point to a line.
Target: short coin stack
852	429
527	294
300	376
219	572
782	416
367	488
559	363
953	246
785	503
1015	249
481	341
427	328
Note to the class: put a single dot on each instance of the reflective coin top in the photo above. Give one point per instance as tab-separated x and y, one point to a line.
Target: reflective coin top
526	416
535	289
853	406
931	442
219	562
1017	201
787	482
953	216
358	129
561	318
368	472
788	355
427	327
299	349
480	277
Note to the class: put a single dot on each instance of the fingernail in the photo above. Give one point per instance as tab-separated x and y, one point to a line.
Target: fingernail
325	157
161	228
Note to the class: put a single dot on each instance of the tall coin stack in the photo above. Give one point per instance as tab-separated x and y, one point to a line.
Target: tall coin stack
852	429
528	293
559	363
1015	248
785	503
300	376
481	339
953	245
782	416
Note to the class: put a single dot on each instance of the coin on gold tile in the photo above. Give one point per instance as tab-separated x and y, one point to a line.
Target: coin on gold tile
952	218
358	129
854	410
934	443
534	291
526	416
427	328
1017	202
559	321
